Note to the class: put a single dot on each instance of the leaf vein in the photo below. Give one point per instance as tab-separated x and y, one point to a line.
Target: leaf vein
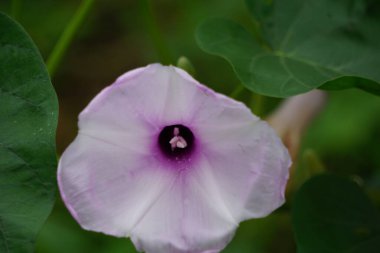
33	170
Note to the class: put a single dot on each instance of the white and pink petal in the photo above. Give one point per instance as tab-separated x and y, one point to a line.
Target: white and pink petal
115	178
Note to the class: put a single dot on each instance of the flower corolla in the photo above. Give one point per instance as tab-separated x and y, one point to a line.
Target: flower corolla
171	164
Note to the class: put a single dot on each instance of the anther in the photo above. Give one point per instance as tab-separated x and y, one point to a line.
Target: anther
177	141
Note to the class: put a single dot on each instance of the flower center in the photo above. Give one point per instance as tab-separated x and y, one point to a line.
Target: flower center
176	141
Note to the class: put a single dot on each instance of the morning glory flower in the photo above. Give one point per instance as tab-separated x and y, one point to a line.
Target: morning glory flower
292	117
171	164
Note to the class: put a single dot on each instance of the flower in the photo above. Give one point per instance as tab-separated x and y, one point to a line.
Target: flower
294	115
171	164
291	119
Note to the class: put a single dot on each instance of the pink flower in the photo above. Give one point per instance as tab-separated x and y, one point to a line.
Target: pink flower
292	117
171	164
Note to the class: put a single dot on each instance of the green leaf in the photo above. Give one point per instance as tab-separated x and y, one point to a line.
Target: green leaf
333	215
307	44
28	119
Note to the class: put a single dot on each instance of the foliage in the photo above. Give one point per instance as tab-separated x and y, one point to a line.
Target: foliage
302	45
333	214
28	119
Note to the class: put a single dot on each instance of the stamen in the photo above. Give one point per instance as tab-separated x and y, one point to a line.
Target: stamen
181	143
177	141
173	142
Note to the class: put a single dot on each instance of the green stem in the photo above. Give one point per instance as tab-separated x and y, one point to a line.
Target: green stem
154	32
67	36
257	101
15	9
257	104
237	91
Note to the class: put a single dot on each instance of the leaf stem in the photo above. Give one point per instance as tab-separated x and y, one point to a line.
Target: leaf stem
237	91
257	104
15	9
67	36
154	32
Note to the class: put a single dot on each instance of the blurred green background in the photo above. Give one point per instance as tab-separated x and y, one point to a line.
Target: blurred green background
117	37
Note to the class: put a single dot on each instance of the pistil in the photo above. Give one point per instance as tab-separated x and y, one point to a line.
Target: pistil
177	141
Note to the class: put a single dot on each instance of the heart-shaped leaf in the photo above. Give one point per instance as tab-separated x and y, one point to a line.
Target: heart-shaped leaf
308	44
28	119
333	215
